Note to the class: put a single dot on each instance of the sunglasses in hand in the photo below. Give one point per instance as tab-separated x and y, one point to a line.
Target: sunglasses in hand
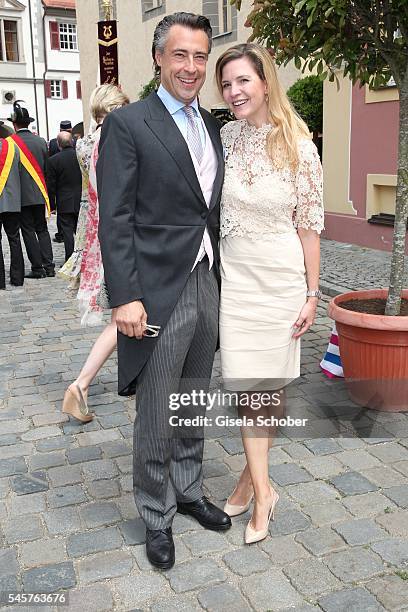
151	331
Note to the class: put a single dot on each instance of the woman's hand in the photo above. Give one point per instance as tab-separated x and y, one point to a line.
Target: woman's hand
306	318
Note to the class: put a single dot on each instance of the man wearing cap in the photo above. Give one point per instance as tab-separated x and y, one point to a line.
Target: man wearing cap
10	207
53	148
34	196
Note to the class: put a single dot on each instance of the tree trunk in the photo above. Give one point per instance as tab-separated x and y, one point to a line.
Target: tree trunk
401	207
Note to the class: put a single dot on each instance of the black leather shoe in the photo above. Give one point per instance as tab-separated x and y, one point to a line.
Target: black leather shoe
160	547
208	515
57	238
35	274
50	272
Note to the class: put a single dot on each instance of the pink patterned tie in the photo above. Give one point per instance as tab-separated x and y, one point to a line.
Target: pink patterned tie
193	135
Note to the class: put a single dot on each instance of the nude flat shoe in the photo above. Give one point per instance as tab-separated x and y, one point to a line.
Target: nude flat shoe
252	535
235	509
76	405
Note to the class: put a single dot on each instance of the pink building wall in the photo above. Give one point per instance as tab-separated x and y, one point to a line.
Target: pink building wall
373	150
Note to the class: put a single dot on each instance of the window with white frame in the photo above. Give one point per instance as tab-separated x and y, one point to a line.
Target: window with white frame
68	36
9	41
56	89
224	14
149	5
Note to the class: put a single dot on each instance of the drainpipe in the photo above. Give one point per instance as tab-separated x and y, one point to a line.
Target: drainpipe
33	62
45	72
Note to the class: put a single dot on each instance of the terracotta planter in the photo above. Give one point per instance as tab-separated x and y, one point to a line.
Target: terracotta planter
374	353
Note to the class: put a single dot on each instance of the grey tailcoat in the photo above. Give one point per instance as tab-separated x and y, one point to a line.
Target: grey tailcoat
30	193
152	217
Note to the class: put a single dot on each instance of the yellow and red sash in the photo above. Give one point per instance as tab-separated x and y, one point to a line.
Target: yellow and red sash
6	161
31	165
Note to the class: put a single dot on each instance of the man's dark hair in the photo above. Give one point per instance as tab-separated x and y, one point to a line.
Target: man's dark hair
188	20
22	124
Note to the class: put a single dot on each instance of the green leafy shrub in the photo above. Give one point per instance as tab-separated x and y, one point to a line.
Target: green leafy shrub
306	96
148	88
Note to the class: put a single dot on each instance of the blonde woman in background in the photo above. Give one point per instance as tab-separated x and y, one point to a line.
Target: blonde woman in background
85	265
271	217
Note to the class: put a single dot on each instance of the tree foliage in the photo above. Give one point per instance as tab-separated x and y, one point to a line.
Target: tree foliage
369	38
368	41
306	96
148	88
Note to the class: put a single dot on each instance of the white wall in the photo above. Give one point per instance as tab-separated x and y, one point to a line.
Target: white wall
15	73
70	108
63	59
62	65
18	77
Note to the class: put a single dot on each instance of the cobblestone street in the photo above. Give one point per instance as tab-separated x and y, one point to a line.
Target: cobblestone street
67	515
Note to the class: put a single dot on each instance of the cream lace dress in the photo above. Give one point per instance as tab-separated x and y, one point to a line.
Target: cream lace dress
263	285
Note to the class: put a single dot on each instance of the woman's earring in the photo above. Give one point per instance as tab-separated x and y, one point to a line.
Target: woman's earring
266	96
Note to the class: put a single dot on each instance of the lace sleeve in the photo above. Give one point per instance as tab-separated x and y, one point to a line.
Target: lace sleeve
309	213
229	133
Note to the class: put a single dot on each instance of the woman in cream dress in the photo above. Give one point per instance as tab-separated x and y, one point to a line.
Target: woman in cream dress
271	217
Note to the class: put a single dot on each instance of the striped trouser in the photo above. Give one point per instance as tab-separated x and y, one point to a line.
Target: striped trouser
167	467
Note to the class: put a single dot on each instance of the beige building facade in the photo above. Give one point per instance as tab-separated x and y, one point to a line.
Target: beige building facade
136	20
360	157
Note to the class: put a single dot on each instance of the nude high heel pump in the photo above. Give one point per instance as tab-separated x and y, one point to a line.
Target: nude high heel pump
234	509
251	534
76	406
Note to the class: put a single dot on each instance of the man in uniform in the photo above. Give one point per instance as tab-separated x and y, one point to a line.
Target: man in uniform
34	196
10	207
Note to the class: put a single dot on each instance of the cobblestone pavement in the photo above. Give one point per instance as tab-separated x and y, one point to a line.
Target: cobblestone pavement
68	519
347	267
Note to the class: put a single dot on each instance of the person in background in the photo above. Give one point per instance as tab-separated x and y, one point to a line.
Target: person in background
53	148
64	188
10	209
65	126
34	196
84	268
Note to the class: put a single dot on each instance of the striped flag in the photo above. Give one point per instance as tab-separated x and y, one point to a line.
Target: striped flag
331	362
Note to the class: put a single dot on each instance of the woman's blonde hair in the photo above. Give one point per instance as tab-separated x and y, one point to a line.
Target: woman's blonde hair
105	99
289	127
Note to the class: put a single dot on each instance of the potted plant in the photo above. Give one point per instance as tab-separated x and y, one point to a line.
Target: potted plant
369	40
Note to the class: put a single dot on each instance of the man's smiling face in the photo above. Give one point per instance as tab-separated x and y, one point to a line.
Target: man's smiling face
183	62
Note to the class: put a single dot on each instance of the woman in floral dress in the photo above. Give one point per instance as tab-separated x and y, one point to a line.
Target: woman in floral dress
85	265
71	269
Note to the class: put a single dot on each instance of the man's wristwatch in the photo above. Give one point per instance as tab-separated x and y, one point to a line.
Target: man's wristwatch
314	293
